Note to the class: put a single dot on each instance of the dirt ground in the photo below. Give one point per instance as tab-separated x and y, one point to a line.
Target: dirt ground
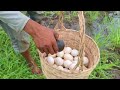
116	73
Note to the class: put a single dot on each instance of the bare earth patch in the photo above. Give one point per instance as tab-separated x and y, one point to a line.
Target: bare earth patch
116	73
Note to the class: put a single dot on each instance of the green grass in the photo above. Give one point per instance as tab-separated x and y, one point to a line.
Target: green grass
14	66
108	59
92	15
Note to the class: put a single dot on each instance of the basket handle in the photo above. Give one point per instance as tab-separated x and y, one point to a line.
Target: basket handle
81	34
60	22
82	39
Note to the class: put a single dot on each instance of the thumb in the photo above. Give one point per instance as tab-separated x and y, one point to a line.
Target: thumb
56	35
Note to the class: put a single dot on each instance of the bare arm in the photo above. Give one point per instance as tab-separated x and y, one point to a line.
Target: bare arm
44	38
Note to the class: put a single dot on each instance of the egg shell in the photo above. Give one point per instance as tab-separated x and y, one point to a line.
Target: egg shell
67	50
50	60
59	61
75	58
77	70
75	62
74	52
60	54
72	66
85	60
68	57
60	68
67	63
55	59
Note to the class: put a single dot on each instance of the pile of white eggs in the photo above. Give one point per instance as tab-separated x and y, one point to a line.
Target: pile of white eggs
66	60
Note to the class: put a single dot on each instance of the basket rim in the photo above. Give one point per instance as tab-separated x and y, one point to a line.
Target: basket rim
87	36
83	70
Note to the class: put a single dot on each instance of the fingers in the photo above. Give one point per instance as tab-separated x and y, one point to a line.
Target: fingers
56	35
51	50
55	47
41	50
46	50
50	45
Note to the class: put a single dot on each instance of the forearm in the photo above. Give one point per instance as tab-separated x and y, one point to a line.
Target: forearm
15	19
32	28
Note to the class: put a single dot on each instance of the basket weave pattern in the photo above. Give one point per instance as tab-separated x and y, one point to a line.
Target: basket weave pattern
71	38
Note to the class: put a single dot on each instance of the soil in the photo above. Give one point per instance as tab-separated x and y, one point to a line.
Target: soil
116	73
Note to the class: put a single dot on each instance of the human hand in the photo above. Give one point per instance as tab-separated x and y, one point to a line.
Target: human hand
44	38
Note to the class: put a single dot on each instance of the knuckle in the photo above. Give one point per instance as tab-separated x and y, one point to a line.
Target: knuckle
47	52
42	51
48	44
52	52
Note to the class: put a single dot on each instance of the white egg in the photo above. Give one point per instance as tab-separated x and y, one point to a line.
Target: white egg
67	63
60	68
54	55
59	61
67	50
55	66
66	70
74	52
50	60
60	54
85	60
75	62
68	57
75	58
72	66
55	59
77	70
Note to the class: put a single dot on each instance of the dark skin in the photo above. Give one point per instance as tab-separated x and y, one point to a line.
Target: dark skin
45	40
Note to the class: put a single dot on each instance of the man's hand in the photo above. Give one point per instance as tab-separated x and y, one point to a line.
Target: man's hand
44	38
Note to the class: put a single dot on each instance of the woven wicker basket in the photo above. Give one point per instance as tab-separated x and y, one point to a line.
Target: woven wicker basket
77	40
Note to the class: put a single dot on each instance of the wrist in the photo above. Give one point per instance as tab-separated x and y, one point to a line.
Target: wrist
30	28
